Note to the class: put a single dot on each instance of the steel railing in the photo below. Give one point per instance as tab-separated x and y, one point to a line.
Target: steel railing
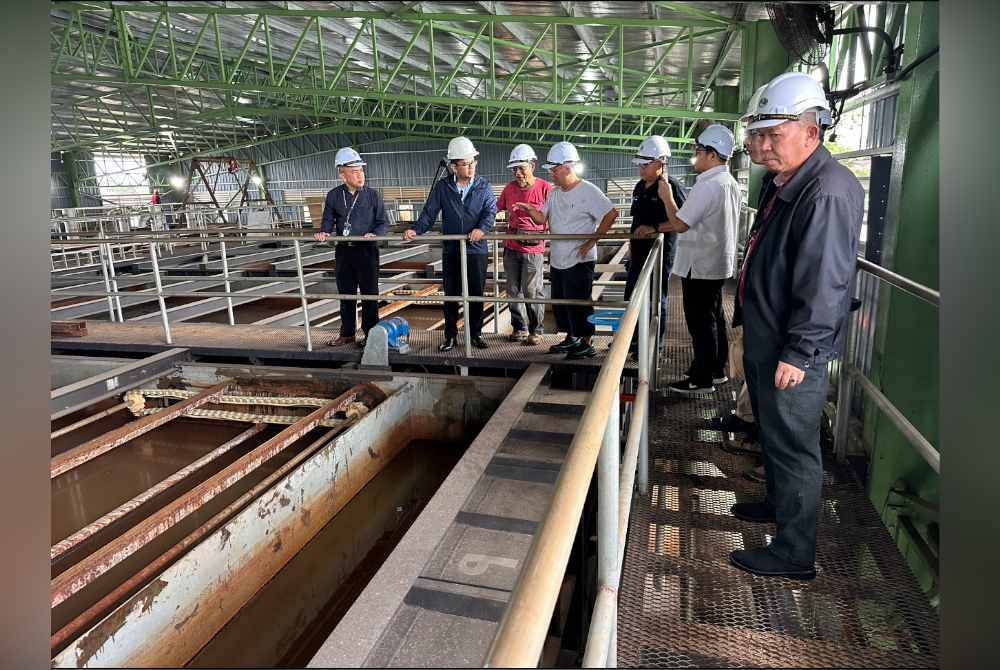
849	373
524	626
153	239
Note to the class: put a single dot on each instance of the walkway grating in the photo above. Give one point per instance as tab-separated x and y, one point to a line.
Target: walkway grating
682	605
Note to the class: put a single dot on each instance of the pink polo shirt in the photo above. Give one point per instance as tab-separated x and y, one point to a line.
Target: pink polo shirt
517	219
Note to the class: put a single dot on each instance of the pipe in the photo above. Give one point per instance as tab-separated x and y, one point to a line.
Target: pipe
608	572
99	445
88	420
523	627
123	509
909	431
643	388
86	571
899	281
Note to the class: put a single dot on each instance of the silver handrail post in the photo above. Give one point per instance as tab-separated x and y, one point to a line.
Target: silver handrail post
463	257
302	294
496	286
111	272
644	367
601	645
660	316
225	275
107	285
159	293
845	389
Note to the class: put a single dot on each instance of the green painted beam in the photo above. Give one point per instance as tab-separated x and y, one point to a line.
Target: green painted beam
665	112
312	11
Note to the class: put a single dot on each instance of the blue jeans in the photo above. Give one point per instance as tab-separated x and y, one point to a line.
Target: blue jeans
789	422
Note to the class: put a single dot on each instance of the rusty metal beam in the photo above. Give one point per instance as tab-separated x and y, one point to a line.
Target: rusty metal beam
398	305
86	571
104	605
147	495
86	421
100	445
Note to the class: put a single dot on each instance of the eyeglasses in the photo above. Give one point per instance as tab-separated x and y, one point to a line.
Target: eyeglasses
463	164
519	168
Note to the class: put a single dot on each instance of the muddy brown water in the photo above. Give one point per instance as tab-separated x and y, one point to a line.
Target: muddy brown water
301	605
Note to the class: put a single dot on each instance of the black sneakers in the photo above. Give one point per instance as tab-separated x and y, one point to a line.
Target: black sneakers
580	351
688	387
565	346
448	344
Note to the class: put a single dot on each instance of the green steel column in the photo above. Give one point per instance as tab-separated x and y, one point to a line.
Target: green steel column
763	58
905	360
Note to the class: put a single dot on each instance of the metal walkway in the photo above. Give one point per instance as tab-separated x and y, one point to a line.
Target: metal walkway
681	603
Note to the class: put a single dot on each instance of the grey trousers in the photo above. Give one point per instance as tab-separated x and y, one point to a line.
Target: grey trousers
524	280
789	422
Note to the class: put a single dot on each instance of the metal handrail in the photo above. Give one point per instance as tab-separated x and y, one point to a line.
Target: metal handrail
851	372
899	281
107	267
523	628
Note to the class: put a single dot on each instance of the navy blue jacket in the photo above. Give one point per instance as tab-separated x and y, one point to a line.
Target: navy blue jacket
368	215
797	289
479	210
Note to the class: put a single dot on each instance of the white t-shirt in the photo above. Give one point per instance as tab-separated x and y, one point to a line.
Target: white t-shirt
708	249
577	211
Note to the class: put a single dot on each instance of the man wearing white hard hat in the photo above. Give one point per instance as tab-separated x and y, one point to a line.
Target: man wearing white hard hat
467	207
523	261
648	212
794	290
351	210
575	207
706	256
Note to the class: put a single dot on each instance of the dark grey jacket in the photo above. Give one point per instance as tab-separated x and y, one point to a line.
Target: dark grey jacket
797	289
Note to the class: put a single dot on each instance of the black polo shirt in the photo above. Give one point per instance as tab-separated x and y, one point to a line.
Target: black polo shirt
649	210
367	216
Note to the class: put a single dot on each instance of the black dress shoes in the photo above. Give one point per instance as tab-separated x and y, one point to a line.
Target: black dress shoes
479	343
447	345
764	563
754	512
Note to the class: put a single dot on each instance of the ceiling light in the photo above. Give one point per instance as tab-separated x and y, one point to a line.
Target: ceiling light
256	179
177	182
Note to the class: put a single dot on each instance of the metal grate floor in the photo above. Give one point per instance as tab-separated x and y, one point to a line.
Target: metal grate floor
682	605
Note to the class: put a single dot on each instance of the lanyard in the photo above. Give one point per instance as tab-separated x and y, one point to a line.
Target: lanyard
347	220
754	239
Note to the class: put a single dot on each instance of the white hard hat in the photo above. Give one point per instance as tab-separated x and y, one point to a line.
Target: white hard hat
348	157
653	148
561	152
719	138
753	104
786	97
460	148
520	155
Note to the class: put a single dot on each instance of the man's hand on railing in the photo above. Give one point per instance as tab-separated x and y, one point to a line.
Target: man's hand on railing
321	236
409	234
645	231
368	236
475	235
